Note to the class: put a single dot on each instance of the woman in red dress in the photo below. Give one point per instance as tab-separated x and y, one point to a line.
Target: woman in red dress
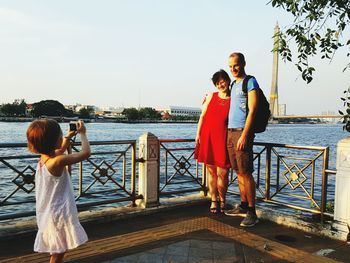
211	137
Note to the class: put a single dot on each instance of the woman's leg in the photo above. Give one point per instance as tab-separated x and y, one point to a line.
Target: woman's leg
213	190
57	258
222	185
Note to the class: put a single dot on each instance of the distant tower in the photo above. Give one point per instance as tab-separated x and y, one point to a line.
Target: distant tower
274	108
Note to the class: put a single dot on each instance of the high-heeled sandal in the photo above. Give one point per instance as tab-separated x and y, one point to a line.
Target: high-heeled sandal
214	210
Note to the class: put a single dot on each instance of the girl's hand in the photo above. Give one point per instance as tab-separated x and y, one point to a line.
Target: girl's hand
81	127
70	134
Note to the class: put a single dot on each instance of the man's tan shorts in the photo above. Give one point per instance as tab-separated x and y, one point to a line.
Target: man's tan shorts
241	161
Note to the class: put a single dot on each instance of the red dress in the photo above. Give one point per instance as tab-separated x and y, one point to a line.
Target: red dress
212	138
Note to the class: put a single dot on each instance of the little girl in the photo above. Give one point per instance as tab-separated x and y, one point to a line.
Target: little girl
56	212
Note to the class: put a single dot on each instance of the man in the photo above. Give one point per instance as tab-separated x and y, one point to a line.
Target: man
240	138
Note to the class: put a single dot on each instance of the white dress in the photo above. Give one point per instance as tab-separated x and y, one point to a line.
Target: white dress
59	228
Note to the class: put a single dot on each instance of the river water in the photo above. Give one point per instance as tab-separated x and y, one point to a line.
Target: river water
295	134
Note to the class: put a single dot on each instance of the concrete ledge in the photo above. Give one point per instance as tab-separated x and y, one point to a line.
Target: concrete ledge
28	225
334	230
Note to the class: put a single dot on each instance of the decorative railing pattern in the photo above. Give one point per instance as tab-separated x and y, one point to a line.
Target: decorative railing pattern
290	175
179	172
108	176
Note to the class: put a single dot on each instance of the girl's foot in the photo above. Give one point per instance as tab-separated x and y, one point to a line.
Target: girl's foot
214	207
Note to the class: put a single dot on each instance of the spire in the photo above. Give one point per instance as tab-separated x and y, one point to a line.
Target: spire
277	26
274	107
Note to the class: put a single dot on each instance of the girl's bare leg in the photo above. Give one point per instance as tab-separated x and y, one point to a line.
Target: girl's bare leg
57	258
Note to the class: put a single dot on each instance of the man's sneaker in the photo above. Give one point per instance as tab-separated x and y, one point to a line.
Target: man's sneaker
236	211
250	220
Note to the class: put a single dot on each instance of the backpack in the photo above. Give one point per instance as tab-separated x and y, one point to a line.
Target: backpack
263	111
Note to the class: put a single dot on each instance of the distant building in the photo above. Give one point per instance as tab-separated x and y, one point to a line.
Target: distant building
181	111
77	107
110	112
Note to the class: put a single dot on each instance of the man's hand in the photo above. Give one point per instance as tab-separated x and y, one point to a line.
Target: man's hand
241	143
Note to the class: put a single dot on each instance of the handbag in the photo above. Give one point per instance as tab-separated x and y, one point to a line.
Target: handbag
196	151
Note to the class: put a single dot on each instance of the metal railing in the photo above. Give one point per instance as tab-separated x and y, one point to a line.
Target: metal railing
291	175
179	172
108	176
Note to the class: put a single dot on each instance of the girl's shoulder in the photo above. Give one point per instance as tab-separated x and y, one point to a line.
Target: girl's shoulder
54	165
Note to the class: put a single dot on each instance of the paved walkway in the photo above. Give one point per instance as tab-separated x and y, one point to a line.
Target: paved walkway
187	234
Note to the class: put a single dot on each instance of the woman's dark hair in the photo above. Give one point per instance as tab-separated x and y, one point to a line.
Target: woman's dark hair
42	136
221	74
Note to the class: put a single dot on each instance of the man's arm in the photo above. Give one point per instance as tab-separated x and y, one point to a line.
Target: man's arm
252	107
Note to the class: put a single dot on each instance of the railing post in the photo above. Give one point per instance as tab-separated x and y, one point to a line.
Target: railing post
268	172
133	173
148	170
324	183
342	182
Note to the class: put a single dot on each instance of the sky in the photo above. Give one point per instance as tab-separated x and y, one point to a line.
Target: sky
150	53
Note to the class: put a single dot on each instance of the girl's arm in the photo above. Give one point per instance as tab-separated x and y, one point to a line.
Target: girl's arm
65	143
204	110
83	154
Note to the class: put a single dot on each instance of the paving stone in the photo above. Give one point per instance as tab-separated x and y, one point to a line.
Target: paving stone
200	252
126	259
200	260
223	245
150	258
200	244
182	243
177	250
158	250
195	238
230	260
220	253
175	259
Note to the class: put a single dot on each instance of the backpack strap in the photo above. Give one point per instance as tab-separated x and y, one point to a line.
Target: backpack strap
245	90
245	84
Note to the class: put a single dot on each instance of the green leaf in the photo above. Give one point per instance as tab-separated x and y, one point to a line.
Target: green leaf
340	112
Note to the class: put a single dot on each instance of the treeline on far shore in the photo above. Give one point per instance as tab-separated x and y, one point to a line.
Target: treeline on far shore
96	120
19	110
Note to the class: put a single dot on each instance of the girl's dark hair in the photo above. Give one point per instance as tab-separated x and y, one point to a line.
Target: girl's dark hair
221	74
42	136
